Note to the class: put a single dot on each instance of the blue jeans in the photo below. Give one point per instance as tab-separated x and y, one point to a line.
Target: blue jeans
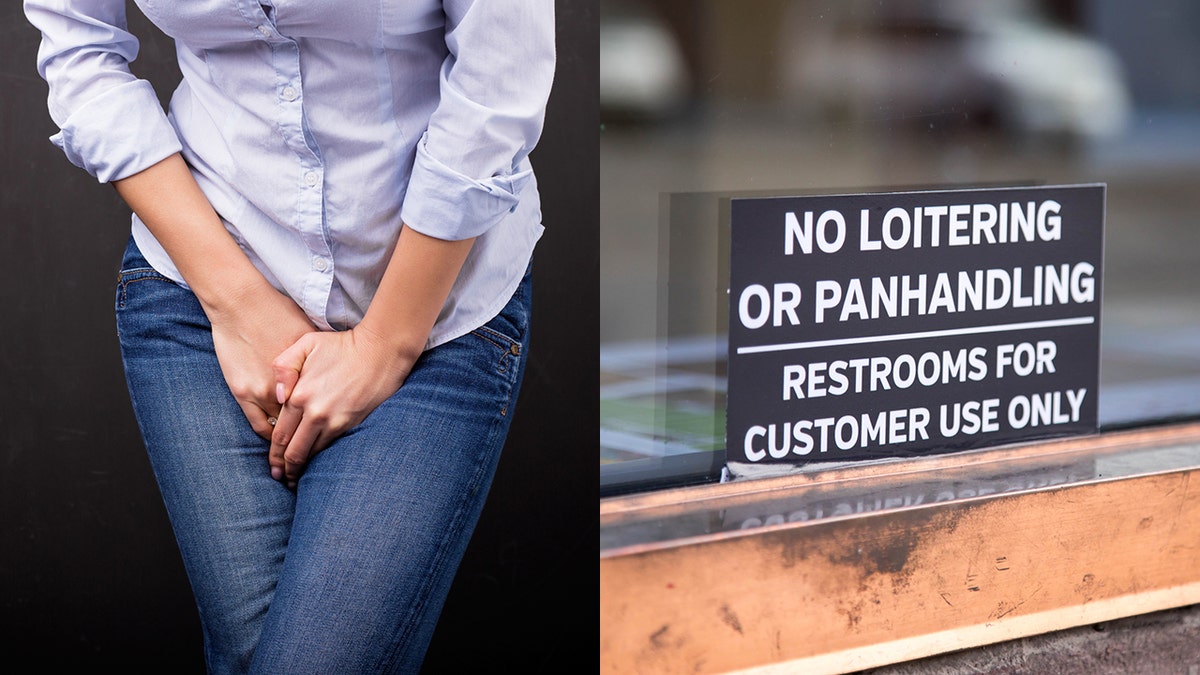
348	573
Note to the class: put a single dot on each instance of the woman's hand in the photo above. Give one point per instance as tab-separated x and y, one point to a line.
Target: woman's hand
327	383
251	321
247	340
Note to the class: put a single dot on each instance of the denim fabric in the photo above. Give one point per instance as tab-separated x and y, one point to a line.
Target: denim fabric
349	573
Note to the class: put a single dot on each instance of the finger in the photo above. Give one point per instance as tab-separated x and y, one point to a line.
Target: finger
287	367
299	450
259	420
324	440
284	429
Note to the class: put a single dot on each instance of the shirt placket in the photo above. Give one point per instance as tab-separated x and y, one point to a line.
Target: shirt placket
309	168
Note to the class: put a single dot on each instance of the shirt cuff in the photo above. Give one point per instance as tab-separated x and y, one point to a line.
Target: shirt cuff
445	204
119	133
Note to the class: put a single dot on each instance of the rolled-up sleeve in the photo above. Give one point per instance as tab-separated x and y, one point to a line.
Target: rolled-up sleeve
111	123
471	163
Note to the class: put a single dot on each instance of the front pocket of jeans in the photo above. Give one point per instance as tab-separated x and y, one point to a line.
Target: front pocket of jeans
126	278
508	348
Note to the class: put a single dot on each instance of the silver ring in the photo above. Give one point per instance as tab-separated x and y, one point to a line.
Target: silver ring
272	420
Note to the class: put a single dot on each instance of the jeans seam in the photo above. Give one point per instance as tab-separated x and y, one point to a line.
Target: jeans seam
509	348
492	333
141	273
444	546
128	277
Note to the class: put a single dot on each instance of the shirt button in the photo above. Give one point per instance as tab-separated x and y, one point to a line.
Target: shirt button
320	264
289	93
311	178
264	31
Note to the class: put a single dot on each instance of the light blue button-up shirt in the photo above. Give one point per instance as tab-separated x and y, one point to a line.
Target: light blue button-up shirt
316	127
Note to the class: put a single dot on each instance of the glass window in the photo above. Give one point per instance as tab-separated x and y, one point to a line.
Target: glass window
706	100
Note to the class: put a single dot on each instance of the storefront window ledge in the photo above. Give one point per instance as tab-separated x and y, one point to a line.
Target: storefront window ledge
857	567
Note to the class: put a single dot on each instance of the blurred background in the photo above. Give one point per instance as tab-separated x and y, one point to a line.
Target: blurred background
703	99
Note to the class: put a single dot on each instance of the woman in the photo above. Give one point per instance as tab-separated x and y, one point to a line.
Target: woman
323	307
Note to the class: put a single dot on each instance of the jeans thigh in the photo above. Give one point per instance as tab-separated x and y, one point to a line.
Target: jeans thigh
383	515
230	519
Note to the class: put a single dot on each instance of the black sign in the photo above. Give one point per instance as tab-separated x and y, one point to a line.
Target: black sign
893	324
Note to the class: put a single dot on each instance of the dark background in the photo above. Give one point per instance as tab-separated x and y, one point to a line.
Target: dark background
89	572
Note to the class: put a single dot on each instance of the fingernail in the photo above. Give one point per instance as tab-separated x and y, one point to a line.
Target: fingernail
276	473
279	393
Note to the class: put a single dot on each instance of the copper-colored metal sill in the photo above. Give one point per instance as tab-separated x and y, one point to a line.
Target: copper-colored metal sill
852	568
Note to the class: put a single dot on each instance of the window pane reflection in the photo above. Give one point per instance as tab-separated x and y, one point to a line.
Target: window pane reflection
707	98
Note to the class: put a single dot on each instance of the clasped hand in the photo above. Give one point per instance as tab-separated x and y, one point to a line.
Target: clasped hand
326	384
317	385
